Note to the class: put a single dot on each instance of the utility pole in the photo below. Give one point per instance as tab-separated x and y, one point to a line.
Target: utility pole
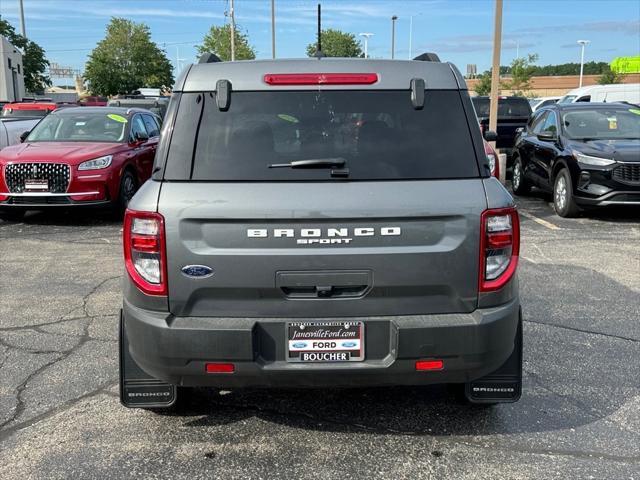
233	31
410	35
273	28
366	37
23	31
495	70
583	43
393	36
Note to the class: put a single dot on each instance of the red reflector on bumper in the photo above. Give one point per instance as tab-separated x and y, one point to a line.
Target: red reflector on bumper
220	367
321	78
429	365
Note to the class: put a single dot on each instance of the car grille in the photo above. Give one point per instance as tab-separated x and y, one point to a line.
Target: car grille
627	173
51	200
57	174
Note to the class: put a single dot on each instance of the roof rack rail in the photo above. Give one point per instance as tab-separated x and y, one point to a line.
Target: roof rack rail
209	57
428	57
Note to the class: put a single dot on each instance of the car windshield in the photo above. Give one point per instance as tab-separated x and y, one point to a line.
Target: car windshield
12	112
377	135
80	127
507	107
602	123
567	99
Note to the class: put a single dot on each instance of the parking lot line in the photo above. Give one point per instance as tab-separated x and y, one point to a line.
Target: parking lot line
540	221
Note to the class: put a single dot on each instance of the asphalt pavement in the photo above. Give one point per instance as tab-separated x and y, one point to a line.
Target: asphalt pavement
579	416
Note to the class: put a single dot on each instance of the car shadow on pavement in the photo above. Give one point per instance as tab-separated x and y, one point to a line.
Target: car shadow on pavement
68	218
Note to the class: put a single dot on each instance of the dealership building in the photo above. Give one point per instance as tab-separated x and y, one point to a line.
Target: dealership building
11	72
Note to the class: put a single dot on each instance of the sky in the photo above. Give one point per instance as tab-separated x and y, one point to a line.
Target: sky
459	31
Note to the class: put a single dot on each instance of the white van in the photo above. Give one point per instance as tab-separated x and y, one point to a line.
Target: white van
620	92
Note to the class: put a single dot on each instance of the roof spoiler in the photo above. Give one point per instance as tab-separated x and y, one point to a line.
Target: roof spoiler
428	57
209	57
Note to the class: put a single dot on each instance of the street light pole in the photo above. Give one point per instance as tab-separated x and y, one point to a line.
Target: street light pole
23	31
495	69
583	43
366	37
273	29
410	36
393	36
233	31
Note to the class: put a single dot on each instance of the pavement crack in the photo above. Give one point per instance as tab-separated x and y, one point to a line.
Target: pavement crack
591	332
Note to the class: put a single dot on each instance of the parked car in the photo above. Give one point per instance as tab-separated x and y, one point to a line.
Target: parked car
275	247
12	127
31	109
157	105
619	92
80	156
93	101
513	113
540	102
586	154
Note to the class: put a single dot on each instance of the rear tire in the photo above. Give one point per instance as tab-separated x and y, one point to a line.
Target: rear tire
128	188
519	183
563	200
12	215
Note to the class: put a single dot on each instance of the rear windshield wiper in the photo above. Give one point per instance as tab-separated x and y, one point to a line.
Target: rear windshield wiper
312	163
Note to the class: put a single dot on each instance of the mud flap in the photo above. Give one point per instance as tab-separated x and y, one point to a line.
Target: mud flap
505	384
137	388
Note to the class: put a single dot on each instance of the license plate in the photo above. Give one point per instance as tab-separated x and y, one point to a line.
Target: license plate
314	342
36	185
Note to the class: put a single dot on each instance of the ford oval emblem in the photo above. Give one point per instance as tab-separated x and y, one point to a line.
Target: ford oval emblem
299	345
197	271
349	344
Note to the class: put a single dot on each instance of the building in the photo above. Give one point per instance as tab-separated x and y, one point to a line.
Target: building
11	72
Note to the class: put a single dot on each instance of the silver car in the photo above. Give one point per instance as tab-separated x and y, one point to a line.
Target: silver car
320	223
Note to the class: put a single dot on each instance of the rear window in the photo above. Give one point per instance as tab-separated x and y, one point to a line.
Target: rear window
507	107
378	134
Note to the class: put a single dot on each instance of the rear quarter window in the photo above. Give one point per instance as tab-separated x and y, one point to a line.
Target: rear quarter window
379	135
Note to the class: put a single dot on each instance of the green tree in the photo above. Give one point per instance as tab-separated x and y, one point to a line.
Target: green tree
336	43
34	62
521	70
609	77
483	87
218	41
126	59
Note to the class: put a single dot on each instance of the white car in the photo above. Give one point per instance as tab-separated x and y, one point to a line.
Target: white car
540	102
619	92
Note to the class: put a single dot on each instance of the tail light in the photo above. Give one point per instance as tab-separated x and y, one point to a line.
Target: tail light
499	247
144	251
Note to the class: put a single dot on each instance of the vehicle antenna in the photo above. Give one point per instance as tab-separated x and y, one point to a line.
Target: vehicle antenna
319	53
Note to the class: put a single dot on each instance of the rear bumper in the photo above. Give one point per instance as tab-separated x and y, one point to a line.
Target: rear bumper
175	349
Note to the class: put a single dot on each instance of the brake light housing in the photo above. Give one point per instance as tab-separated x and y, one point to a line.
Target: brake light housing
321	78
145	255
499	247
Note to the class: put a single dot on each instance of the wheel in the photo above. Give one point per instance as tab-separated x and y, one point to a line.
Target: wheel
519	183
11	215
128	188
563	200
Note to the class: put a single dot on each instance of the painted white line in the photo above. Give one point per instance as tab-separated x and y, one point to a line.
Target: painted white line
529	259
540	221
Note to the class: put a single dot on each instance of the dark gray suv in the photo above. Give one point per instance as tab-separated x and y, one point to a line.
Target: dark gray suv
320	223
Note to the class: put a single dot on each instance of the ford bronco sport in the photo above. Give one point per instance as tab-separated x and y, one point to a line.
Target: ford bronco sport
320	223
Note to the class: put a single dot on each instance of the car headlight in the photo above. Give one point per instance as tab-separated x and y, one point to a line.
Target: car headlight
96	163
492	162
595	161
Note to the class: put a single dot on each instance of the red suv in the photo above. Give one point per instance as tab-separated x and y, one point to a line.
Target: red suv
91	156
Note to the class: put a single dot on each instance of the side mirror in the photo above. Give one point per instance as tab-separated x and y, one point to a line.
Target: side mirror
490	136
547	136
141	137
24	135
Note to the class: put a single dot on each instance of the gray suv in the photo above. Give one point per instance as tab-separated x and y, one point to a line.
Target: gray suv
320	223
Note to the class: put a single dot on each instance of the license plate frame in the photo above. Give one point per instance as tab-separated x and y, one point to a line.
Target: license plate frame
324	342
36	185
